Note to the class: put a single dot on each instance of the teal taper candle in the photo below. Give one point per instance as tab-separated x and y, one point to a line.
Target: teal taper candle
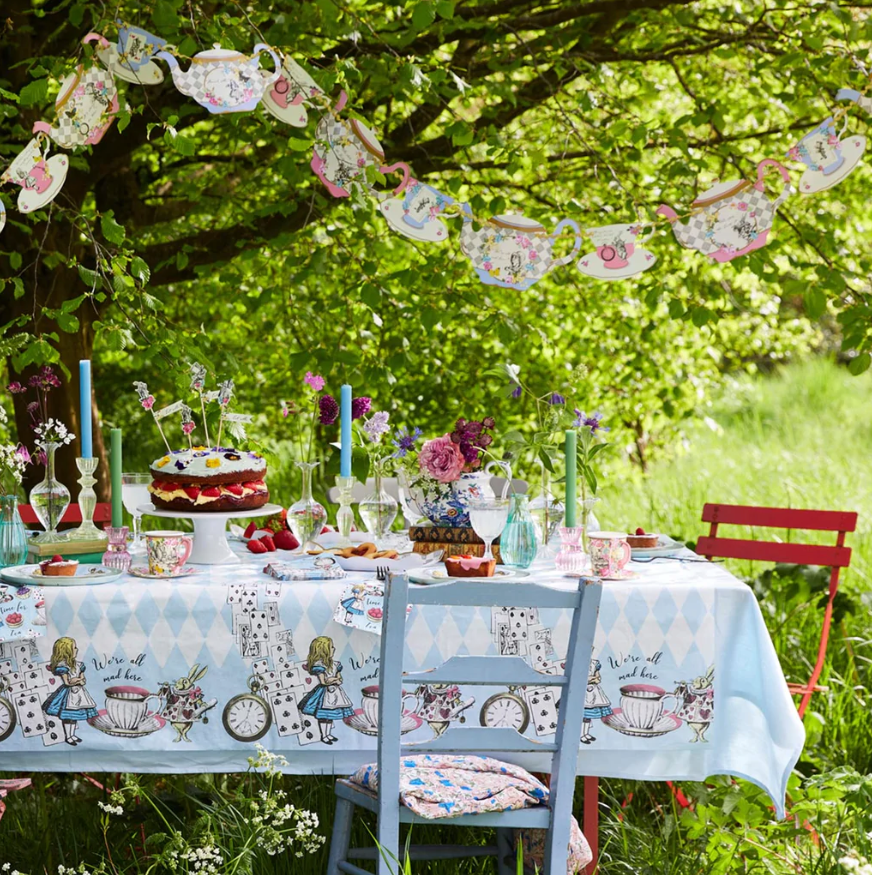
571	477
115	476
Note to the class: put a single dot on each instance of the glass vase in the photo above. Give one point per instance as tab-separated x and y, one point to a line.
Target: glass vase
588	520
571	559
50	500
379	509
116	555
306	517
547	511
13	535
519	542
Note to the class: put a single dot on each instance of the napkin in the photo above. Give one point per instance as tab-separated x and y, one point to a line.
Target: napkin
306	568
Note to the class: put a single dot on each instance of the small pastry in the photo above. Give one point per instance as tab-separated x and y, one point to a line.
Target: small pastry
470	566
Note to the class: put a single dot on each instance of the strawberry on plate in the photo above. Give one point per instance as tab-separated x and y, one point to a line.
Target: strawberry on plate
285	540
256	547
250	529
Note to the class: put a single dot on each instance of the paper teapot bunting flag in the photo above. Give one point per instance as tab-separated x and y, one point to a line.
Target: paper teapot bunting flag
290	95
344	149
223	80
130	58
731	218
828	154
86	105
513	251
40	177
618	254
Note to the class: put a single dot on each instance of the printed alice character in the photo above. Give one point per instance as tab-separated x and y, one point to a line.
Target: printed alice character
354	603
71	701
328	701
697	703
596	702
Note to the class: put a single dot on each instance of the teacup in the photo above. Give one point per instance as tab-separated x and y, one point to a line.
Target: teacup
292	93
609	553
415	209
167	552
369	701
131	57
615	244
40	177
821	149
642	705
127	707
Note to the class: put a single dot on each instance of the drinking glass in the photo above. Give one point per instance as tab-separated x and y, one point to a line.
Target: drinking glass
488	517
134	492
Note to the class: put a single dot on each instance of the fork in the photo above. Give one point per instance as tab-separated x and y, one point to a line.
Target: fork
381	572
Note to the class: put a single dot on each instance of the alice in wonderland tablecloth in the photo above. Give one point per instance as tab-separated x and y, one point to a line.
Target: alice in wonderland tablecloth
185	676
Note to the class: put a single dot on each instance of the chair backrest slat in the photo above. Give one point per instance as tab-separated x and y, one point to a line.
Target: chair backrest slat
773	551
503	670
780	517
492	595
464	739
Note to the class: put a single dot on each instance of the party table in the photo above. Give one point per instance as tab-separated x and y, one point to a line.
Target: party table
185	675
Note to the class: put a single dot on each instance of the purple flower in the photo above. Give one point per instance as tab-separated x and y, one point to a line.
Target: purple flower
45	379
360	406
556	398
33	410
377	426
329	409
21	452
316	381
16	388
40	458
404	441
517	391
593	422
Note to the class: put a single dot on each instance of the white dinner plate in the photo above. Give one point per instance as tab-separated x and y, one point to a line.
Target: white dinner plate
440	575
404	563
86	575
666	546
142	571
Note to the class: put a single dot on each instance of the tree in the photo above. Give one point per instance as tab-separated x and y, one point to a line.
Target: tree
184	235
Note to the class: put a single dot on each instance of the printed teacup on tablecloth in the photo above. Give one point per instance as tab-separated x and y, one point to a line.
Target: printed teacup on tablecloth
22	612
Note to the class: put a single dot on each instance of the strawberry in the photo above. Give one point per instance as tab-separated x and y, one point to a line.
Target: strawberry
256	485
327	529
269	543
57	558
211	492
640	531
250	530
193	492
277	522
285	540
234	488
256	546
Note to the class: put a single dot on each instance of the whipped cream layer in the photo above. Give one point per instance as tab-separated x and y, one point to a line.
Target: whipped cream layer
205	461
204	495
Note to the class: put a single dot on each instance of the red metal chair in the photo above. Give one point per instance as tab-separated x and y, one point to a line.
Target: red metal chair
834	557
72	516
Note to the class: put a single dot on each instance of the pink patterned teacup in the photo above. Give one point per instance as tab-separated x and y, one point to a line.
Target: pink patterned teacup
609	553
167	552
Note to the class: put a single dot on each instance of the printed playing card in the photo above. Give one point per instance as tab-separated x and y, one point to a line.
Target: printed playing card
53	732
274	590
499	617
261	667
249	599
286	714
538	654
239	620
234	594
6	667
250	649
259	627
41	675
291	677
310	733
30	714
543	709
533	616
281	654
272	613
25	652
551	667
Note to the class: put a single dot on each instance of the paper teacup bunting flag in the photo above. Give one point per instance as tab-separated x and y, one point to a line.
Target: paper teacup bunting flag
130	58
2	216
618	254
414	210
223	80
40	177
732	218
344	149
828	154
86	105
513	251
291	93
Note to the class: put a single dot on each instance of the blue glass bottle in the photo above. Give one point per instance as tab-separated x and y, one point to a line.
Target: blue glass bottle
518	542
13	536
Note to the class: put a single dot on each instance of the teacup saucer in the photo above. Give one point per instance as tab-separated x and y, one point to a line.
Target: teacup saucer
150	723
623	574
593	266
30	200
814	181
142	571
665	723
360	722
433	231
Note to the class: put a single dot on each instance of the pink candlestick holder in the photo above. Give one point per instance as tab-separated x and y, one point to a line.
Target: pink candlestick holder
571	558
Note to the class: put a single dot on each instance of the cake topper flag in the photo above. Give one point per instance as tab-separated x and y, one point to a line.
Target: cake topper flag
198	381
146	399
225	393
188	425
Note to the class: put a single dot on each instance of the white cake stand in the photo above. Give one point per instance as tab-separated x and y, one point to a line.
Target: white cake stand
210	530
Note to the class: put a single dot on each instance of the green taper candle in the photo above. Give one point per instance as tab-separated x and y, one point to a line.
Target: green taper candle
571	477
115	476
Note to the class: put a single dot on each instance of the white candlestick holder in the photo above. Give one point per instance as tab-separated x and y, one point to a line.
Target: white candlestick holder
87	531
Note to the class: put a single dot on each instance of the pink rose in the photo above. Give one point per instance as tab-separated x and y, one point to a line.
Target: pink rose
441	459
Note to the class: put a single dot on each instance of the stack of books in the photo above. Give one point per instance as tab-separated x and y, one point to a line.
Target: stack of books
84	551
454	541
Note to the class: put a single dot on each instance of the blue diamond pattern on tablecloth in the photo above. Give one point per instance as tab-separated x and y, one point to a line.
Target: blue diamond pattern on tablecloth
694	610
62	612
147	612
175	612
664	609
636	610
119	613
90	613
610	613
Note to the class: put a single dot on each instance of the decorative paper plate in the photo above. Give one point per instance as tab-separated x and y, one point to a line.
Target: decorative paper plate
440	575
142	571
666	546
86	575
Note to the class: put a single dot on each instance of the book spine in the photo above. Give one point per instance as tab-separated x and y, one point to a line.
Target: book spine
452	549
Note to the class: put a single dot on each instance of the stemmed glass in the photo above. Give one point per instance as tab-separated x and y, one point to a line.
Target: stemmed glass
134	492
489	517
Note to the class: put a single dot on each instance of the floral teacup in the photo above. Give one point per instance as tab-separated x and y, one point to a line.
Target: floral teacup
131	58
416	212
167	552
40	177
820	149
609	553
292	93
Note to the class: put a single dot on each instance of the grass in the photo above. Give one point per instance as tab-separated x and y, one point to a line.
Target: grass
800	438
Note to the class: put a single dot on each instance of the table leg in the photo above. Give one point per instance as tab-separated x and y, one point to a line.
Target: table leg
210	542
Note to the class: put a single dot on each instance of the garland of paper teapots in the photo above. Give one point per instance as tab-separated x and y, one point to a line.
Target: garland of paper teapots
729	220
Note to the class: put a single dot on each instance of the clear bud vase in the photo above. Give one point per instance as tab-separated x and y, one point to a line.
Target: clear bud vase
116	555
518	542
547	511
379	509
50	500
13	535
571	559
589	522
306	517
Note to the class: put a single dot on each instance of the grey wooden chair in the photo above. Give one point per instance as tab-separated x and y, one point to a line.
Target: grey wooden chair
555	816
